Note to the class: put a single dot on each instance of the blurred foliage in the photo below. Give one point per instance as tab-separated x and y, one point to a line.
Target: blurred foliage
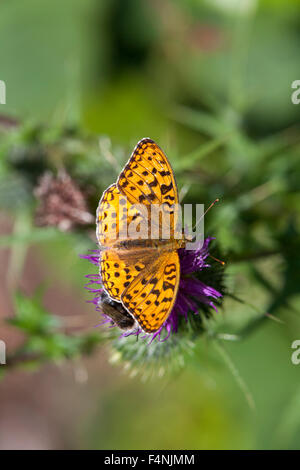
210	81
43	341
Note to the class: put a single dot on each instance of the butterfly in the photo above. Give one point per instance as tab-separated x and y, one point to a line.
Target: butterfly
139	272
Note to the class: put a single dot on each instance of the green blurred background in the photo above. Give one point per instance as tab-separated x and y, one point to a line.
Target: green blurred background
210	81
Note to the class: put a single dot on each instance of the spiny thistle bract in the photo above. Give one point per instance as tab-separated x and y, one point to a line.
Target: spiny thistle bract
201	290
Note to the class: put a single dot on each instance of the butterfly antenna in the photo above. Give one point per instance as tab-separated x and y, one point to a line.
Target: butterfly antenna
218	260
203	215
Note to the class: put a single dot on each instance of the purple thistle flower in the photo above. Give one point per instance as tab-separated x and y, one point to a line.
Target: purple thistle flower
192	293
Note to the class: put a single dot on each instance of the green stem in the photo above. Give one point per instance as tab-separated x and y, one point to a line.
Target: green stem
237	376
18	252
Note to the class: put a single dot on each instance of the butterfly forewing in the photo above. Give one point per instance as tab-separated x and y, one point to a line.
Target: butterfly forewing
149	179
114	214
118	268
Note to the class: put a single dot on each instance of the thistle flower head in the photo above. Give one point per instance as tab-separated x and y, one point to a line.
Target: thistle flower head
200	292
194	295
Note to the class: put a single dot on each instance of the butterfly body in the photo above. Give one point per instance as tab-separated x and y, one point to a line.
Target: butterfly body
166	245
139	270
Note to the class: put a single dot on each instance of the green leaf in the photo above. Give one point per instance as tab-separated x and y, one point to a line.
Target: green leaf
31	316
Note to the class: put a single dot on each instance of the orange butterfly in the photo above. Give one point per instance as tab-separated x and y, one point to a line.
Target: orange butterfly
141	273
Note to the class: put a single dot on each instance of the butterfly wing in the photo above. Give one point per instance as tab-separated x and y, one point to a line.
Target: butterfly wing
148	178
108	225
150	297
114	214
117	271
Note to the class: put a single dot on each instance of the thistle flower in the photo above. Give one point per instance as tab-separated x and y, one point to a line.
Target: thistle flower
61	203
194	295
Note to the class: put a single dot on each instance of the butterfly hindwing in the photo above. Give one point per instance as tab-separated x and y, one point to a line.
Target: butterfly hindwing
117	273
151	295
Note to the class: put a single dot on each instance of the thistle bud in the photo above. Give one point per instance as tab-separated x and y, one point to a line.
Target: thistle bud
61	203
